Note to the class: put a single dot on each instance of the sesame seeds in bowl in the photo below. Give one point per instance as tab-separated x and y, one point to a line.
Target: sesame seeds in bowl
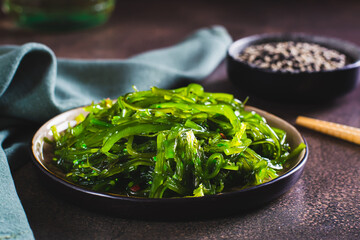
294	66
292	56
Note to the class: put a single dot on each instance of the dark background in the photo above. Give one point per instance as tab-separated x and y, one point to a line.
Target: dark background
324	204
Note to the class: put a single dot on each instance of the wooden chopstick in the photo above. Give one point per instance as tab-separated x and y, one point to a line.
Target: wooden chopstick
344	132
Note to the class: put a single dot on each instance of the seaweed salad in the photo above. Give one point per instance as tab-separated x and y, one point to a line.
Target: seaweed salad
160	143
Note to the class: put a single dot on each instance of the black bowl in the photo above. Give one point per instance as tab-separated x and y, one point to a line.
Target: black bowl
294	86
228	203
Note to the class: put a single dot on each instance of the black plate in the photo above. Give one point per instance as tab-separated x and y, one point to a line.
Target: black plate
228	203
297	87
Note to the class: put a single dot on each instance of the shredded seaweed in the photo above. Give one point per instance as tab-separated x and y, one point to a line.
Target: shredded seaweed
171	143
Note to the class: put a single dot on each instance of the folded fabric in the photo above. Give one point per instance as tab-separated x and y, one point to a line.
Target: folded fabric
35	86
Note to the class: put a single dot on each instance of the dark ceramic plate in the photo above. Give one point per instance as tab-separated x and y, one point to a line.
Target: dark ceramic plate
301	86
171	208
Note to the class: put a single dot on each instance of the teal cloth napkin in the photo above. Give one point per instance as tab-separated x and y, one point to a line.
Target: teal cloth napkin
35	86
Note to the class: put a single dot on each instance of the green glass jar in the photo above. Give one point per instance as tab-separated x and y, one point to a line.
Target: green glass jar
58	15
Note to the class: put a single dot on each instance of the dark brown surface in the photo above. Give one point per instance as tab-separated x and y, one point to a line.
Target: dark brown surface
324	204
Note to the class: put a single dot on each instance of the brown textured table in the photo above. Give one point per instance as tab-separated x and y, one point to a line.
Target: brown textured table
324	204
